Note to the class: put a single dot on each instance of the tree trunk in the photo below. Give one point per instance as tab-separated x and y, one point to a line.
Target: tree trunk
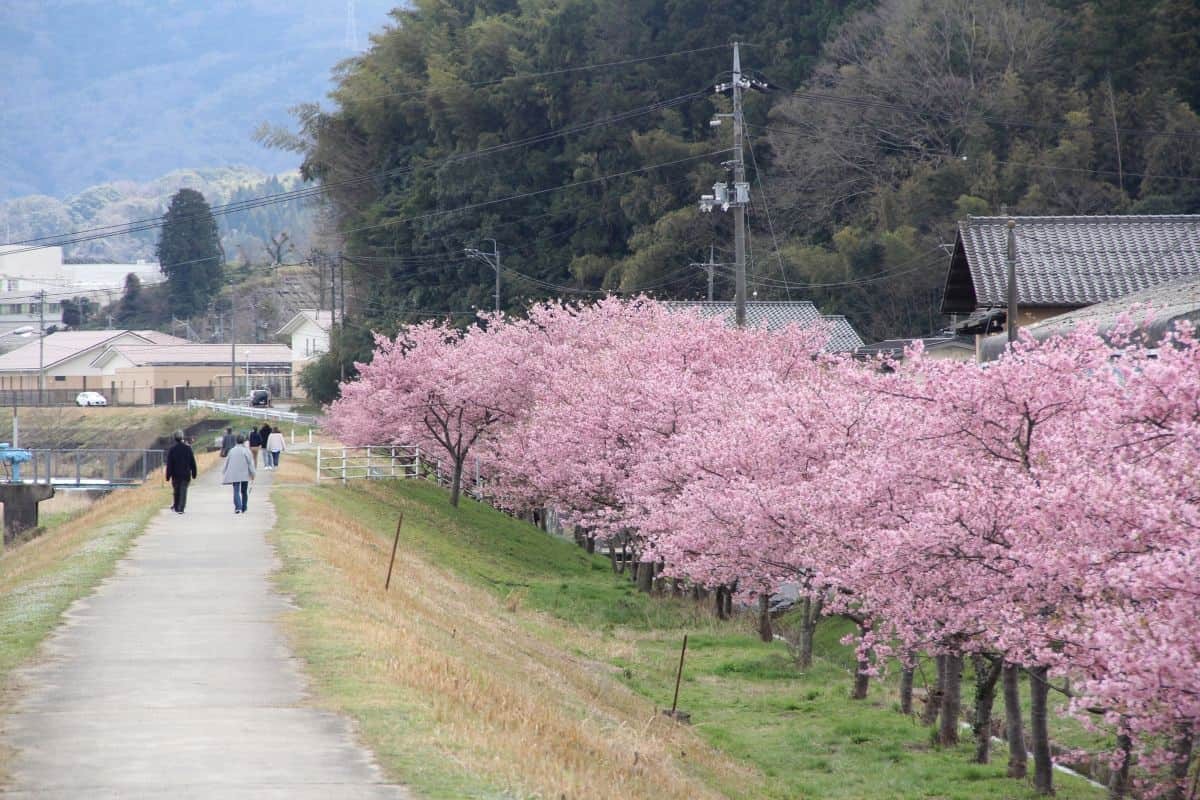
590	545
1018	756
1039	730
987	672
906	687
951	701
456	483
764	618
1118	781
624	553
862	680
810	616
729	600
1182	747
933	699
645	576
719	596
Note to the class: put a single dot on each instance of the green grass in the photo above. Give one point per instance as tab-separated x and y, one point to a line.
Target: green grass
746	697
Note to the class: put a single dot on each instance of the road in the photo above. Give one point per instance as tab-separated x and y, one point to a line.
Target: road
174	678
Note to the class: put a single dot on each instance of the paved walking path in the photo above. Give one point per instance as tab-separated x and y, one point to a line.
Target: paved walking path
174	680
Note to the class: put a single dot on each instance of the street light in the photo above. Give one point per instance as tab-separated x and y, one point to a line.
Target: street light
246	373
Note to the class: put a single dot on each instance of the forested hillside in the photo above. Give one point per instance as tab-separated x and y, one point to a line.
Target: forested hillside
485	119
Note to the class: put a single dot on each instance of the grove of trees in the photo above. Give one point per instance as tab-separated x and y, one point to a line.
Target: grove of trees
485	119
1038	517
189	253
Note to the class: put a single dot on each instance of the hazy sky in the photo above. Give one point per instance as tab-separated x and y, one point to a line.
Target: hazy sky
102	90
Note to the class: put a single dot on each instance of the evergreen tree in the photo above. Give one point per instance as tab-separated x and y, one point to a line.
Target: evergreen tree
189	251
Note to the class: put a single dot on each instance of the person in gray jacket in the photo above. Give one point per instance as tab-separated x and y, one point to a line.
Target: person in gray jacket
228	441
239	471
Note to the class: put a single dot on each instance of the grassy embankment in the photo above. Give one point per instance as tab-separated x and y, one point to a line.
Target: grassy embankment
504	663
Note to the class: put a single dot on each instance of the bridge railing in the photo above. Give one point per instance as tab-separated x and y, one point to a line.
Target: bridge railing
255	413
86	468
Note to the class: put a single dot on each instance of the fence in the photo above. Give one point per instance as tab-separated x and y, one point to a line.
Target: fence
62	397
256	413
170	395
86	468
374	462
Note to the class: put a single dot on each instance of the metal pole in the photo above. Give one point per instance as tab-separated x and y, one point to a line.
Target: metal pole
496	266
739	210
41	345
232	351
1012	281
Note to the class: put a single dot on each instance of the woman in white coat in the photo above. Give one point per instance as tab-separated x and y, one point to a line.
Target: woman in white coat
239	471
274	447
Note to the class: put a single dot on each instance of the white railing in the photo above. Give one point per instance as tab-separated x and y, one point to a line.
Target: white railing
255	413
390	461
373	462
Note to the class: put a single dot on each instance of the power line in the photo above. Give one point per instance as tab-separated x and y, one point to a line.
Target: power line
546	74
524	195
151	223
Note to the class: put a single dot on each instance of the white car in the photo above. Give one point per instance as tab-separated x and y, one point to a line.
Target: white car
90	399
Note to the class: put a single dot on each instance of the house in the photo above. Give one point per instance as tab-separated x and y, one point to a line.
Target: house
65	360
776	314
1062	264
309	331
178	372
1155	310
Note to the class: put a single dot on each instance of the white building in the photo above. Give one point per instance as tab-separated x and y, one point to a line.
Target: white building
25	274
309	330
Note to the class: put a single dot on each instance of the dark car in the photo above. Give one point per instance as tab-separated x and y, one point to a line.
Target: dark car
260	397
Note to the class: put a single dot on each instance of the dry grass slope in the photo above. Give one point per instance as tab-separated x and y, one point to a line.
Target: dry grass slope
462	692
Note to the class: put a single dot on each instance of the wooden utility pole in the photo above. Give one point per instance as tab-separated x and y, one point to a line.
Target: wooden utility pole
739	204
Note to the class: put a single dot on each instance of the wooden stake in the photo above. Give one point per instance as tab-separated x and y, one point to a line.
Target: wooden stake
679	676
395	544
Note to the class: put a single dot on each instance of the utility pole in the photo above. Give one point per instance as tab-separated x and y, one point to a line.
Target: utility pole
232	348
41	346
737	195
492	259
709	268
1012	281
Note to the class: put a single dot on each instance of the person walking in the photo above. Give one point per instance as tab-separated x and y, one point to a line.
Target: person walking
275	446
181	470
264	432
238	472
256	442
227	442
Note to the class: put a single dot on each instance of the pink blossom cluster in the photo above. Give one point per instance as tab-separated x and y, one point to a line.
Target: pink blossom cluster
1044	510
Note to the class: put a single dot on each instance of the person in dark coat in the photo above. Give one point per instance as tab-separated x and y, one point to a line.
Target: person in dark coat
255	441
181	470
263	433
228	442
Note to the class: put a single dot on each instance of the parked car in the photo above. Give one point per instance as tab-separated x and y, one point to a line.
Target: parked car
90	399
260	397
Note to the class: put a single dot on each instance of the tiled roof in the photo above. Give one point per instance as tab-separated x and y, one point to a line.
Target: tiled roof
1155	310
196	354
60	347
842	336
896	347
776	314
1069	261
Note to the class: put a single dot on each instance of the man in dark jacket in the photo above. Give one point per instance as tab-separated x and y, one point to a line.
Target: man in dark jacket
181	469
263	433
228	442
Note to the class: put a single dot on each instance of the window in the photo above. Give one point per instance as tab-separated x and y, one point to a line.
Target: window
60	377
13	284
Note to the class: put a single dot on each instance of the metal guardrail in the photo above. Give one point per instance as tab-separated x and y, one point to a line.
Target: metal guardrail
375	462
85	468
255	413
